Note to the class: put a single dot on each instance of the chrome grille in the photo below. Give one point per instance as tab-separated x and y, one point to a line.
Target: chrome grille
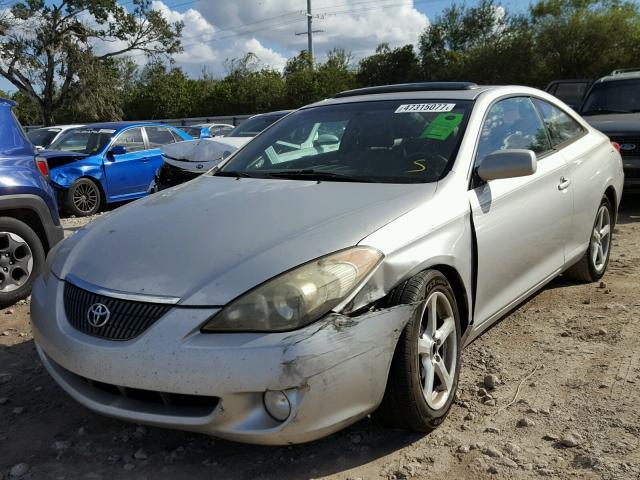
127	319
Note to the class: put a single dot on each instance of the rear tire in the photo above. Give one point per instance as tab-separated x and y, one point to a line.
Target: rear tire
423	378
83	198
592	266
21	260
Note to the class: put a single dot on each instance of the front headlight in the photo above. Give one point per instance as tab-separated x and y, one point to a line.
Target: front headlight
298	297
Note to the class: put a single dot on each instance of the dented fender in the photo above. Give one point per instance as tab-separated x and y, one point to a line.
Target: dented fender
64	176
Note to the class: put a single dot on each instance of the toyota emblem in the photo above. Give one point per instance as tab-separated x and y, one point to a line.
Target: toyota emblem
98	315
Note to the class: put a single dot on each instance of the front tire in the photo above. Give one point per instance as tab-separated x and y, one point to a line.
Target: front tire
423	378
592	266
21	260
83	198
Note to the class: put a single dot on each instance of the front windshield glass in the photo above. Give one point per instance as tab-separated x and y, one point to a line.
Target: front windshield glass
386	141
42	137
83	140
619	96
253	126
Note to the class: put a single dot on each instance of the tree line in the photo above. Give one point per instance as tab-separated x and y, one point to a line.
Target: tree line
68	81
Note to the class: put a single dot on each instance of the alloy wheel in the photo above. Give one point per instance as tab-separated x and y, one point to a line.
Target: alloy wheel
85	197
601	239
437	347
16	261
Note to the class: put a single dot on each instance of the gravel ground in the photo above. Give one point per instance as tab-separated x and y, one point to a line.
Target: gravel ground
550	391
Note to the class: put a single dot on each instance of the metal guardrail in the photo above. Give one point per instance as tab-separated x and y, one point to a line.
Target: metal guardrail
182	122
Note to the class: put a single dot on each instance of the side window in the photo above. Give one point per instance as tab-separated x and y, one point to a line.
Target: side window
159	136
561	126
131	139
512	123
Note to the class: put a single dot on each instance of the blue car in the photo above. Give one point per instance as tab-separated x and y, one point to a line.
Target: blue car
29	221
106	162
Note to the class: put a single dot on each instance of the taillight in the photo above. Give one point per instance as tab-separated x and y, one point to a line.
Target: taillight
43	166
616	145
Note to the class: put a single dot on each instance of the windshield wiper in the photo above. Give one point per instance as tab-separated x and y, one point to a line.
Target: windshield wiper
319	175
604	110
232	173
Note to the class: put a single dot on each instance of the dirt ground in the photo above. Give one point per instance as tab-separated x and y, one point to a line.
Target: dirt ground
568	362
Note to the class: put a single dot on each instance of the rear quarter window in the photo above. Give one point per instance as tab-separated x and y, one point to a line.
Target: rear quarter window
562	128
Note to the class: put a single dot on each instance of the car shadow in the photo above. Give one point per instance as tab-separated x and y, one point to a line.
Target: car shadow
629	209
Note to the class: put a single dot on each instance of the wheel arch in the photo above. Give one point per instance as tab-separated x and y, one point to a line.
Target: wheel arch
30	218
460	292
103	193
611	194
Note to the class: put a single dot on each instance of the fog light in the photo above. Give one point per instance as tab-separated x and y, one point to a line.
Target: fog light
277	405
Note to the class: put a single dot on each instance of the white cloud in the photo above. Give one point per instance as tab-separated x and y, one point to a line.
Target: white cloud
217	30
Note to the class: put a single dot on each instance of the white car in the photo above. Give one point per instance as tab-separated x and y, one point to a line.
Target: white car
45	136
278	302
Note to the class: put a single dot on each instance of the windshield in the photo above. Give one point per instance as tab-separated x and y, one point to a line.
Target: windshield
387	141
83	140
42	137
253	126
619	96
193	131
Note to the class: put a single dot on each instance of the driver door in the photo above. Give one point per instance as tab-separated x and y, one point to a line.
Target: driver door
127	174
522	224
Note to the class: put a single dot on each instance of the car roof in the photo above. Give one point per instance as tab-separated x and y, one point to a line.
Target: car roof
621	74
121	125
461	94
279	113
4	102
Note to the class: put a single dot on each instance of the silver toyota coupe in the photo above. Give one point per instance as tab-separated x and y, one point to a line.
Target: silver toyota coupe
333	267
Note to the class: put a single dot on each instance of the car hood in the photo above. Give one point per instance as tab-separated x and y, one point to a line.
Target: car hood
236	141
57	158
197	155
212	239
615	123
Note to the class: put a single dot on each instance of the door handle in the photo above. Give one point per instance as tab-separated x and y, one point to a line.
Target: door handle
564	183
144	159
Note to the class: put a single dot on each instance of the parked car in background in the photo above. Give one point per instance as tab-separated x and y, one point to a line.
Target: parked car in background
45	136
29	221
612	105
106	162
207	130
253	126
277	302
570	92
187	160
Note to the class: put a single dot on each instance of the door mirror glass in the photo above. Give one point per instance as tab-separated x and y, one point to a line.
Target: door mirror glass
118	150
508	164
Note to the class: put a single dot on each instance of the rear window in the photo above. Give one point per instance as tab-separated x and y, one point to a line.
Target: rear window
42	137
386	141
253	126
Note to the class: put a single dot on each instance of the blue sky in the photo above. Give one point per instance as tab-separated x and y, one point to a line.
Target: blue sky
218	30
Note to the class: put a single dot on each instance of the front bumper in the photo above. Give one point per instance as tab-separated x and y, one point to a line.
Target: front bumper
333	371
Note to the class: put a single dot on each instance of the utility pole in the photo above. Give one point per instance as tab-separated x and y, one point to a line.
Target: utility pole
310	31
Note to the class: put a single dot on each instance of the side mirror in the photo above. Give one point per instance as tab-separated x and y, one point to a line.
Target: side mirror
118	150
508	164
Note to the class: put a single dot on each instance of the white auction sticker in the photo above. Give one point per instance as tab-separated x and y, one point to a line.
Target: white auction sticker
425	107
